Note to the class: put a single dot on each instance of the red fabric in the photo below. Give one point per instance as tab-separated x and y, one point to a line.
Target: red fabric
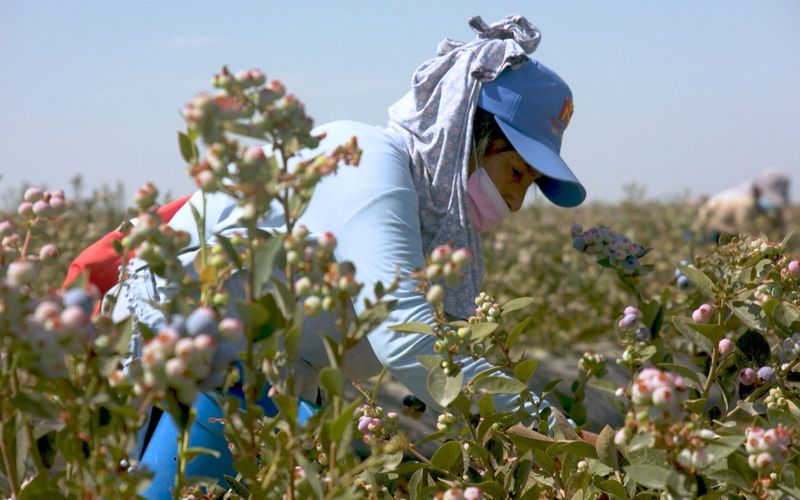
101	261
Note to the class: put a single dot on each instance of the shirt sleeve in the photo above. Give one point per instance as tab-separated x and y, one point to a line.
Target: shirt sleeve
382	239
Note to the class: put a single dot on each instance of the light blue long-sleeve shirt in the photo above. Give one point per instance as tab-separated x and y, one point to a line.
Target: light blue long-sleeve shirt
373	211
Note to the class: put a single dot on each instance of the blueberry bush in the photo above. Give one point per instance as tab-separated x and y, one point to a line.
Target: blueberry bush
709	339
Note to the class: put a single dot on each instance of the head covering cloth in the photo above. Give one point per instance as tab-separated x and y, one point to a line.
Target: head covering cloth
435	119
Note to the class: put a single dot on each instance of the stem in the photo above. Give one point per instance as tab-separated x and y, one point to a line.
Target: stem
712	372
37	459
183	445
11	473
24	250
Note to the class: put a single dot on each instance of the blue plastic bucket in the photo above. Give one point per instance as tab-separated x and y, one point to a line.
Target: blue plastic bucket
160	455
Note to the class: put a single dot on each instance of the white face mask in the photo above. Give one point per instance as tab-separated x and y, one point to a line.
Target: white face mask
488	206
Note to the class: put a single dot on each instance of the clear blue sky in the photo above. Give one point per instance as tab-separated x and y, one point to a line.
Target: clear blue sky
679	96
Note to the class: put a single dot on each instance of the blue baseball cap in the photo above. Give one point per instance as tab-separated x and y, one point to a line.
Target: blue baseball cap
533	106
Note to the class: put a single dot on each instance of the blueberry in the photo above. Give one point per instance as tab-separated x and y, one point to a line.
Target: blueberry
683	282
178	322
77	297
202	320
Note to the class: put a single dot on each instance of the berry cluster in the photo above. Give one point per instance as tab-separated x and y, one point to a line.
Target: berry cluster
486	310
157	244
57	329
607	245
631	323
681	280
693	454
658	395
376	425
445	422
447	263
39	203
145	197
593	365
776	399
763	376
323	282
767	448
188	355
468	493
790	353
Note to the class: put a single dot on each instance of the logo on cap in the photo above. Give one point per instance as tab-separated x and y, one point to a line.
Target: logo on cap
558	125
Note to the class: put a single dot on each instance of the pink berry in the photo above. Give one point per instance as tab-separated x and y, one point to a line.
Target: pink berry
627	321
6	227
327	241
21	272
632	310
33	194
48	252
57	204
205	180
725	347
41	207
231	328
46	310
461	257
441	254
25	209
794	268
473	493
747	376
363	424
74	317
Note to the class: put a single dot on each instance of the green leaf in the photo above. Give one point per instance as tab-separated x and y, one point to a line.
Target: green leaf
605	447
696	405
577	448
649	476
754	347
197	451
526	439
727	476
699	279
237	487
499	385
646	456
604	386
188	148
264	263
515	333
482	330
230	250
343	422
787	315
653	316
750	313
34	405
685	327
332	381
614	488
692	376
447	455
525	369
550	386
412	327
442	388
544	461
430	362
723	446
516	304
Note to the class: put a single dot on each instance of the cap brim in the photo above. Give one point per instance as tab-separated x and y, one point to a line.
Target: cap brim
558	183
